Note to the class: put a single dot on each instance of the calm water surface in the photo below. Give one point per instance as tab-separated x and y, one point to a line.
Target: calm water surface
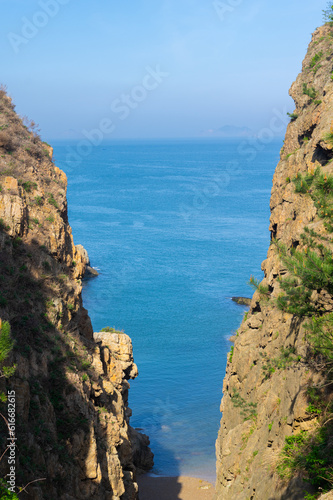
175	229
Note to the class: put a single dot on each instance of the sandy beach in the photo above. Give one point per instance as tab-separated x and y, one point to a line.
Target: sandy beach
174	488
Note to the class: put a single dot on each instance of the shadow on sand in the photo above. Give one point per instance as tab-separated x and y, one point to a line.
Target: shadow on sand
174	488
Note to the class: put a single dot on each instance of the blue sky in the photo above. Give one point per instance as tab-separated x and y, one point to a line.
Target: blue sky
168	68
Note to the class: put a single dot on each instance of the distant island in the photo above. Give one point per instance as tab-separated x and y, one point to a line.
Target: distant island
229	131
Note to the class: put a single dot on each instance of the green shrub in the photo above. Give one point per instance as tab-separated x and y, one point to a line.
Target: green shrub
310	269
62	277
316	59
248	410
329	138
6	346
309	496
320	334
286	358
320	187
290	154
85	365
46	265
292	116
328	13
313	409
28	186
17	242
262	289
52	200
231	354
5	494
6	342
311	92
307	453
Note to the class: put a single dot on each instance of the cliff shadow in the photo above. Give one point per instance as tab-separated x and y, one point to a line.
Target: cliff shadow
163	488
68	435
295	327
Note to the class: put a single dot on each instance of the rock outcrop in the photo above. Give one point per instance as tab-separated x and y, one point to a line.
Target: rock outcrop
264	402
71	385
89	271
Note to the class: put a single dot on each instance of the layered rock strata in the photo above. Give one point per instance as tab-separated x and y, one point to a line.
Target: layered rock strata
71	385
260	407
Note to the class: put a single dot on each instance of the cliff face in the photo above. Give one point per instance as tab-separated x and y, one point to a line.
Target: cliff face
71	385
265	387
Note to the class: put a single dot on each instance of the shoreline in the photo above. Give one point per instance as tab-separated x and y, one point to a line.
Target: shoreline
174	488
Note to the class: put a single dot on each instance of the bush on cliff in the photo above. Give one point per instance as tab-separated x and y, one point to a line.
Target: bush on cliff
308	453
6	346
5	494
309	286
308	292
328	13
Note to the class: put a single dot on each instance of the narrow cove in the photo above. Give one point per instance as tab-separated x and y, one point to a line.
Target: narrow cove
173	244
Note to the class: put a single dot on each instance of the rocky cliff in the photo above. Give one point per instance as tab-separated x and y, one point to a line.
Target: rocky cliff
71	385
272	366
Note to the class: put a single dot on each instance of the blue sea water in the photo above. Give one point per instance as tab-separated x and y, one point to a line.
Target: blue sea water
175	229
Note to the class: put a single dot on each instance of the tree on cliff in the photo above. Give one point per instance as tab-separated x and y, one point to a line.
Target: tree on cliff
6	346
328	13
307	292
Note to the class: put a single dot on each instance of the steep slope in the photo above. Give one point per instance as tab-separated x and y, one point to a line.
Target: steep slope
71	385
272	366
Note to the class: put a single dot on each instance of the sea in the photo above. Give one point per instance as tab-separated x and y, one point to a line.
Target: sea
175	229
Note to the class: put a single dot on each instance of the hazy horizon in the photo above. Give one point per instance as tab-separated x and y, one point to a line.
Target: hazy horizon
154	70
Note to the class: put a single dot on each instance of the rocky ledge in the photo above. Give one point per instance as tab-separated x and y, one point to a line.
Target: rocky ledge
71	385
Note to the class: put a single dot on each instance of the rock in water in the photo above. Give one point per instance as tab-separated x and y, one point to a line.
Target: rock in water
242	301
71	387
267	378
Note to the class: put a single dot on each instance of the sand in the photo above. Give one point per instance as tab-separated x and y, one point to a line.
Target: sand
174	488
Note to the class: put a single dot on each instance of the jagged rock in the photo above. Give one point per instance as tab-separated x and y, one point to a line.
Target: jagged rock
84	254
90	271
49	150
71	385
143	458
261	407
242	301
84	257
327	496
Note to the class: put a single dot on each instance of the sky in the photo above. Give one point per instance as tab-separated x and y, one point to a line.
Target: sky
152	68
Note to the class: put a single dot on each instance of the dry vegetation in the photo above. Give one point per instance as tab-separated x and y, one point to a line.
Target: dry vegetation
38	295
21	148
